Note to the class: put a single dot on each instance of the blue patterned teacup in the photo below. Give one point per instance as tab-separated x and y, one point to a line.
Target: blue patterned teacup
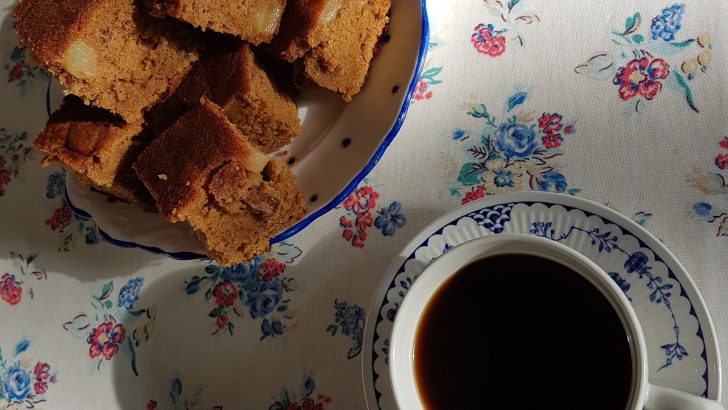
642	395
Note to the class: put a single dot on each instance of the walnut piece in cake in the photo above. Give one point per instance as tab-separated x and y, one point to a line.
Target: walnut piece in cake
234	196
111	53
230	76
98	147
255	21
335	38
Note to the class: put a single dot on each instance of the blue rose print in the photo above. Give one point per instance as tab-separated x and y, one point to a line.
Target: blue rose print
16	383
129	293
552	181
243	272
515	141
264	299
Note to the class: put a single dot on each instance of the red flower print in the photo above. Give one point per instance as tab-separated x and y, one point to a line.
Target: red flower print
421	92
292	406
62	216
724	143
722	161
359	203
40	387
151	405
269	269
550	122
362	199
309	404
486	43
569	129
225	293
358	239
324	398
475	193
640	77
552	140
364	220
41	370
105	340
4	180
345	222
16	73
222	320
9	289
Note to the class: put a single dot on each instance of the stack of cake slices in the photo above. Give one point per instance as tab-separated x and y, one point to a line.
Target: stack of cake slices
175	105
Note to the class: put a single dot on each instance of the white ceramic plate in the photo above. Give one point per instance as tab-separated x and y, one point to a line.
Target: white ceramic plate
340	143
682	348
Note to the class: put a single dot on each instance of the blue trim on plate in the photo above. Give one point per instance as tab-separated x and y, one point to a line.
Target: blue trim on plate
334	202
383	147
81	214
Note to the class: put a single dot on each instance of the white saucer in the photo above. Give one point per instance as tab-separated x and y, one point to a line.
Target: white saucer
682	346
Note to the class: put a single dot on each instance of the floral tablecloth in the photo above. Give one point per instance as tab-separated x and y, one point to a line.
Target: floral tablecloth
621	102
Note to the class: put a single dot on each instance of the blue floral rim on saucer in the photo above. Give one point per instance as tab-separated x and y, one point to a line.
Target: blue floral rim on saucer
680	334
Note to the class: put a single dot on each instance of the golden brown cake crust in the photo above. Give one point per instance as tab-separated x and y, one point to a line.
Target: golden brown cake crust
86	140
230	76
97	147
301	27
175	166
48	33
336	39
341	62
255	21
111	53
232	201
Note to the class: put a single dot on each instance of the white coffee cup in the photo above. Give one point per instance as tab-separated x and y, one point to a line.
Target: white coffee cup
401	355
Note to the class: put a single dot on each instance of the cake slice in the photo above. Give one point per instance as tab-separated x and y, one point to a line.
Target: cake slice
230	75
335	38
202	170
98	147
255	21
111	53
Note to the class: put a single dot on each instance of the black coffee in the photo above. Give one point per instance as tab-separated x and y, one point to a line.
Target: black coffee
521	332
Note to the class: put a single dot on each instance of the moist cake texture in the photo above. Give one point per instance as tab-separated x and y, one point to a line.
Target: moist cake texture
111	53
97	147
335	39
230	76
233	196
255	21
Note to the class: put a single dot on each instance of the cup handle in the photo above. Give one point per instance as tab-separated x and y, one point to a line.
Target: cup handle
665	398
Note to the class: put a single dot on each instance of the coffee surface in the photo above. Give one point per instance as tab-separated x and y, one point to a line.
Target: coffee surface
521	332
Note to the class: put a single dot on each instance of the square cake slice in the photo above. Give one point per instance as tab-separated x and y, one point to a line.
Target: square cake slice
111	53
255	21
202	170
230	75
97	147
336	40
